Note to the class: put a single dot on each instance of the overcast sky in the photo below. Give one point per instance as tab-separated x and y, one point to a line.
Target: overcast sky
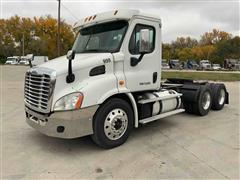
179	17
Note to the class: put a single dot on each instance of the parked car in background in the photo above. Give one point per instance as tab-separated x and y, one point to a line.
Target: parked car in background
165	64
216	67
237	65
37	60
183	65
12	60
205	65
23	61
232	64
192	64
174	64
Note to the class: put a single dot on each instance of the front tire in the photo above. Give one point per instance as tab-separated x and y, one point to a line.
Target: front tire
112	123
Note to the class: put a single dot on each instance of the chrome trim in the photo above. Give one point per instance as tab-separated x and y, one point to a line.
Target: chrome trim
160	116
206	100
115	124
221	99
170	96
38	88
76	123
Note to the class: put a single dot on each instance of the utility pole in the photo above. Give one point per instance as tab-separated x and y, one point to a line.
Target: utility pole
59	23
23	44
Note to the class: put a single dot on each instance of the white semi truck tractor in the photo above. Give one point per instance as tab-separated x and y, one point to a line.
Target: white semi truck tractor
110	82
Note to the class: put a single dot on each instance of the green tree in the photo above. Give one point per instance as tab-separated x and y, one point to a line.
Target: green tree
184	42
167	51
46	35
7	46
213	37
228	49
38	36
185	54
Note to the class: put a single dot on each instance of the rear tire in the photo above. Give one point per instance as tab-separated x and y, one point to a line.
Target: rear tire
188	107
203	104
112	123
219	94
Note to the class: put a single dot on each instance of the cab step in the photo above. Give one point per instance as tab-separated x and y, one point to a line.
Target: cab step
160	116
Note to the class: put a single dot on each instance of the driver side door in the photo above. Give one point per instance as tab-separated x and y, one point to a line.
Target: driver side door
145	75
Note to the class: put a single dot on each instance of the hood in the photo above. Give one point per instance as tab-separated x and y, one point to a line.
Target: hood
81	61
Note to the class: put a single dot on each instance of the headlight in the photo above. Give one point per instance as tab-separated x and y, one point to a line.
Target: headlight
69	102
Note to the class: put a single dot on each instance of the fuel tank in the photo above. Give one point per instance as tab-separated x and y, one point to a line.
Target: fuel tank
157	102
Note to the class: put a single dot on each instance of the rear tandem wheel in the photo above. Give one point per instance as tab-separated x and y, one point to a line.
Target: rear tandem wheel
203	104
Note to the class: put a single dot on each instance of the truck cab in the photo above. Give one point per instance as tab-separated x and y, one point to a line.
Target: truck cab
232	64
165	64
12	60
110	82
174	64
205	65
192	64
23	61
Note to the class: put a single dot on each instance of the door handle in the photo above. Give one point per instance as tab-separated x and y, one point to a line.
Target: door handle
134	61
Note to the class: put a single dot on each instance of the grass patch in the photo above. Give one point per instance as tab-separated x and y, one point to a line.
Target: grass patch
213	76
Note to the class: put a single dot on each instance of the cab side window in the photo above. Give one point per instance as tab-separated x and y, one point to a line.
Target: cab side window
134	40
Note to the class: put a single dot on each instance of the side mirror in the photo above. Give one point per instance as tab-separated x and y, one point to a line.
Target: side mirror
144	41
70	54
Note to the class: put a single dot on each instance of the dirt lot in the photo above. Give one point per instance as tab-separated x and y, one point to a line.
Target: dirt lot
181	146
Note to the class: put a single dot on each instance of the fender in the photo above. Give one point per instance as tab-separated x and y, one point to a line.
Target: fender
131	100
97	89
135	110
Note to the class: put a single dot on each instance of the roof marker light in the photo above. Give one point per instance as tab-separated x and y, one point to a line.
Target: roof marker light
85	19
89	18
115	12
94	16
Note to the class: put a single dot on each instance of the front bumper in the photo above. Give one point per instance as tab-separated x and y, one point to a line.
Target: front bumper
64	124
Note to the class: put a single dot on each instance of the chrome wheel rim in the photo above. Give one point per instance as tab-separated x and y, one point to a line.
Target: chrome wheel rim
115	124
206	101
221	99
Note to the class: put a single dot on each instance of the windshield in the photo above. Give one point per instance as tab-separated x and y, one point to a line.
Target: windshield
175	61
105	37
193	62
10	59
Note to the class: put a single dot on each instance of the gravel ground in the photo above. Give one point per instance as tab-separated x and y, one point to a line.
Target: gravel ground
180	146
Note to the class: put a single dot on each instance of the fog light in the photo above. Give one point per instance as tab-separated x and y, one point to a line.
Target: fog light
60	129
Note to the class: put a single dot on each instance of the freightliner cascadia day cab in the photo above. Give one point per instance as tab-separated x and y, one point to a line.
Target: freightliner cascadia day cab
110	82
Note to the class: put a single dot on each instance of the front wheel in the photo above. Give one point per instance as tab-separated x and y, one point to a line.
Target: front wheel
112	123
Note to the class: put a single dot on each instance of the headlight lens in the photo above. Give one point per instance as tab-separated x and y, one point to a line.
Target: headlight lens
69	102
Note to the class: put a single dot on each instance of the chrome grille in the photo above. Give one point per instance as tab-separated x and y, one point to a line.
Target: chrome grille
38	90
